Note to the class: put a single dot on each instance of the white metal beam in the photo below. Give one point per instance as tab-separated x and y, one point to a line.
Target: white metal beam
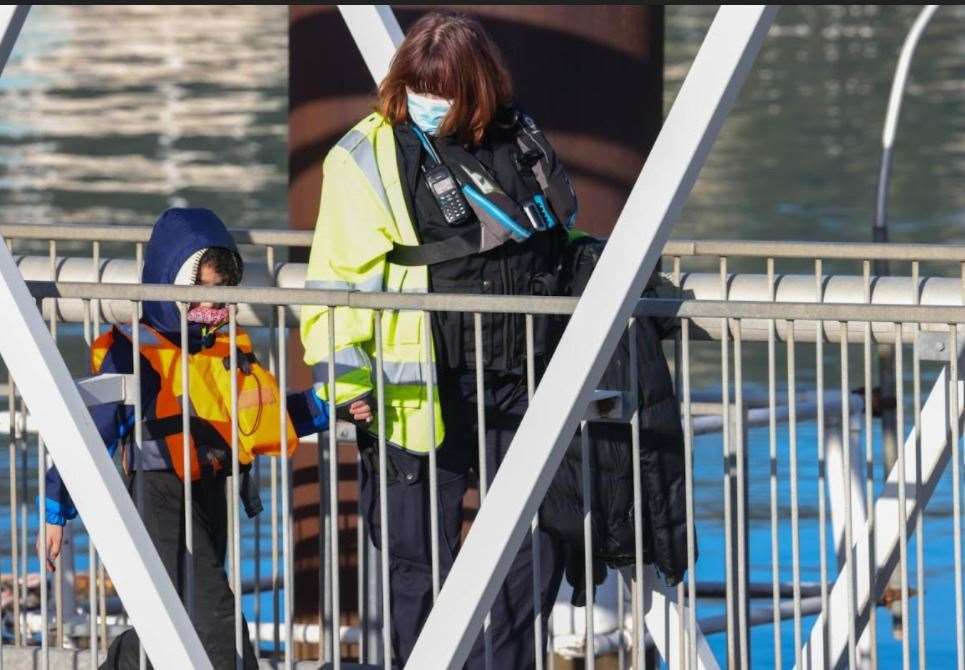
377	33
707	94
935	454
12	18
31	356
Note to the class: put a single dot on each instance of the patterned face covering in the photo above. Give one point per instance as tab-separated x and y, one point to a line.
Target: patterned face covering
208	316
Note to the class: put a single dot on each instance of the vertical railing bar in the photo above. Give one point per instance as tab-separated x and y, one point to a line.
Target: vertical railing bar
58	571
689	490
58	562
97	606
333	500
285	486
256	528
360	557
822	460
483	469
869	461
429	372
273	474
383	497
96	259
590	641
772	451
538	650
136	393
902	495
639	622
135	397
848	521
186	464
12	447
681	618
325	640
621	616
235	484
275	591
92	556
732	650
954	414
920	530
793	475
24	519
42	494
42	497
102	602
742	595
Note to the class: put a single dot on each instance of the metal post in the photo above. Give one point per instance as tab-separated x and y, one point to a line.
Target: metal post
644	225
886	380
286	529
333	499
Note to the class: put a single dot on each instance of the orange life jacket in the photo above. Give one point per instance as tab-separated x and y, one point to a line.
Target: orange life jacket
209	383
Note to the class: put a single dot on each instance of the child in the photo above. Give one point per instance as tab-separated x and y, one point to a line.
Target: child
188	246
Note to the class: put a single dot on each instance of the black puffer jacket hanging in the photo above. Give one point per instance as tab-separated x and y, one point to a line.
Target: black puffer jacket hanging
661	459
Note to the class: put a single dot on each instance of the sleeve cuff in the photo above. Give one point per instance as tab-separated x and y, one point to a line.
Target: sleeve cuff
57	513
307	412
56	519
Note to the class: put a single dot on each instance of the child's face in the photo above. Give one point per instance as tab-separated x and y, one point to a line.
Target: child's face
208	276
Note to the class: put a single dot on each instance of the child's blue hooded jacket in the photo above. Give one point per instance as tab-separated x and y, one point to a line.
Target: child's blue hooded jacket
178	234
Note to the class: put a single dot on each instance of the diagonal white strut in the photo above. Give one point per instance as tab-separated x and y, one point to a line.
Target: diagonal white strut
12	18
377	34
32	359
691	127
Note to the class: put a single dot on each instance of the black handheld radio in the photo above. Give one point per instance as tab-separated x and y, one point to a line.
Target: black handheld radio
446	192
442	185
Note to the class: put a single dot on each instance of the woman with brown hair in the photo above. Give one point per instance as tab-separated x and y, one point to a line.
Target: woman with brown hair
447	188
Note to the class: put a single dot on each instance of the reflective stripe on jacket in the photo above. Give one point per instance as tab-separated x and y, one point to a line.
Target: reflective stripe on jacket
362	214
209	384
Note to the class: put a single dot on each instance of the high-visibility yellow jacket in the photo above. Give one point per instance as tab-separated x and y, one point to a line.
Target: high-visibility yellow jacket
362	214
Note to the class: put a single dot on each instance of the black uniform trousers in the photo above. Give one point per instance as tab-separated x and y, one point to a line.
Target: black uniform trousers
513	643
214	609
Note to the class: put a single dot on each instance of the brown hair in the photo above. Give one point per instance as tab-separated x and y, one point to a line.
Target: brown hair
449	56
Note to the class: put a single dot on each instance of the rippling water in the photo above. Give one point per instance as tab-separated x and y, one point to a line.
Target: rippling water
798	156
111	114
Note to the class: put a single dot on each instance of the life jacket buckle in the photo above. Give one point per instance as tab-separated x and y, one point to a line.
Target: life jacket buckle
245	361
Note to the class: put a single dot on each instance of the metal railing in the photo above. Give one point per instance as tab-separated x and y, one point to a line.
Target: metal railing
746	331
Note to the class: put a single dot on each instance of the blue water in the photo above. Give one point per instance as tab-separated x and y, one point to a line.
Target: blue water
939	577
939	583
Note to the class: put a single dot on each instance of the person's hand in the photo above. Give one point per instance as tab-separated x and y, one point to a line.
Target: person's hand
361	411
55	538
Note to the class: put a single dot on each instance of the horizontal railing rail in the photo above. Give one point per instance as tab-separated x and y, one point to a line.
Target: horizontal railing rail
680	248
884	316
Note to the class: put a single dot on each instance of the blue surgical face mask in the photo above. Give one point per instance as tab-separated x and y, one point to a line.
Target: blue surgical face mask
427	113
